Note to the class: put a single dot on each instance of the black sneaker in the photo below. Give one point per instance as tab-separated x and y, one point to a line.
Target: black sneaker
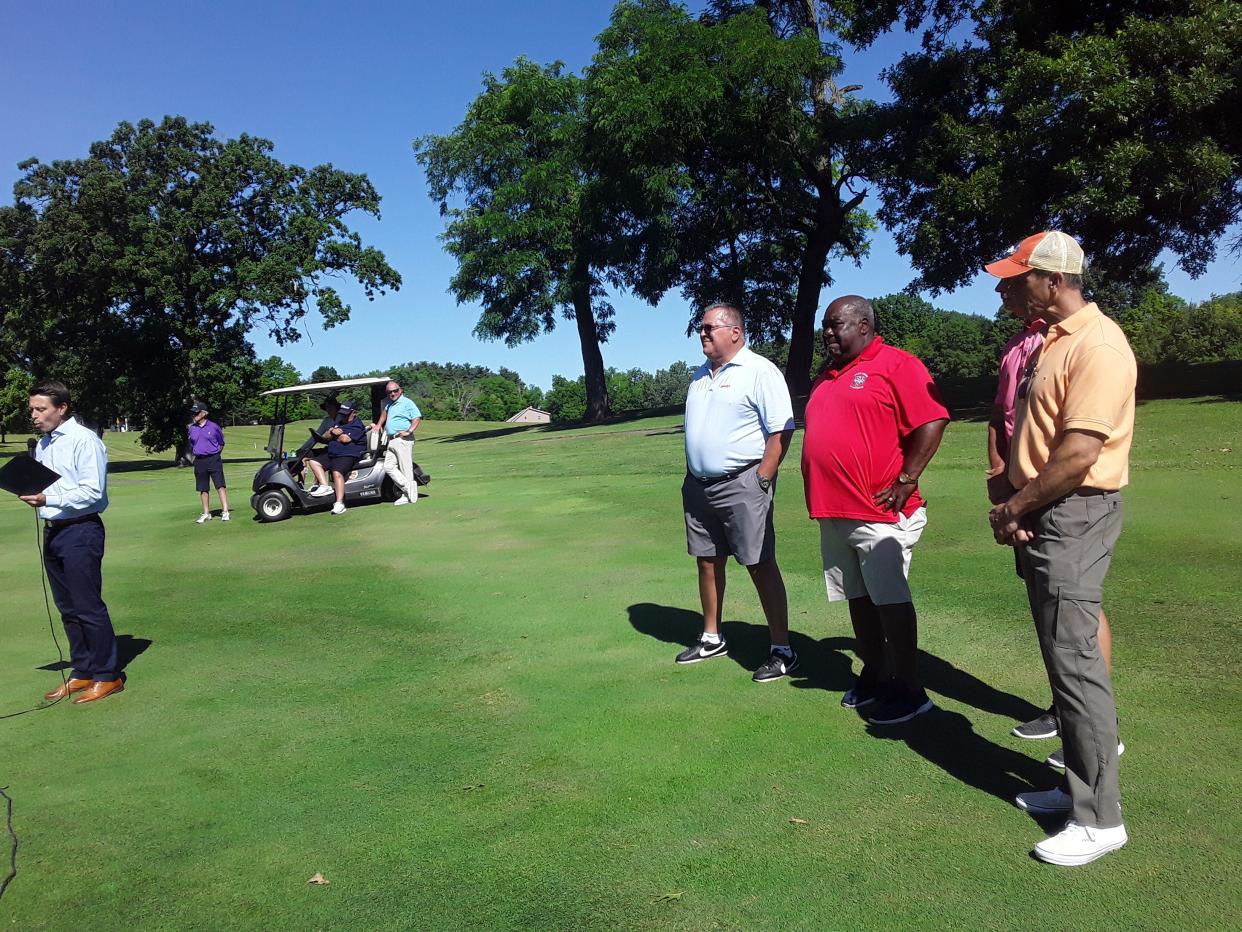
702	651
862	694
778	665
1057	758
900	706
1042	726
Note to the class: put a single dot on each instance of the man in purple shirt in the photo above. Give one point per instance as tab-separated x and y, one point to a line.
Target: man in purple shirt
206	442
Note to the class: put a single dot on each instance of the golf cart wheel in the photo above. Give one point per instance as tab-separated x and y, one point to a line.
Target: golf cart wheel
273	506
388	490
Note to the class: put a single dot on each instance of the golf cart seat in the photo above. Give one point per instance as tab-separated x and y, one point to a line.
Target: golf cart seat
368	458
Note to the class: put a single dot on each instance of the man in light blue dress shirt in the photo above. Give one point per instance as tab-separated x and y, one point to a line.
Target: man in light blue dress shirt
73	541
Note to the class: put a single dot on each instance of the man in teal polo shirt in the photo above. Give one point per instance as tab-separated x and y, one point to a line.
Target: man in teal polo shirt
399	421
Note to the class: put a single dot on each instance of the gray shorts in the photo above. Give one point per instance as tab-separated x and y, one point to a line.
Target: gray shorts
730	517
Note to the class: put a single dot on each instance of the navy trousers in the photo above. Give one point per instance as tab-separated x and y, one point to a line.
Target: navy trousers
73	556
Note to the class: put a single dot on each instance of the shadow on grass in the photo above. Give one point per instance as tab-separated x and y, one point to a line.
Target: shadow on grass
818	667
127	648
495	432
623	418
945	738
949	740
150	465
1222	399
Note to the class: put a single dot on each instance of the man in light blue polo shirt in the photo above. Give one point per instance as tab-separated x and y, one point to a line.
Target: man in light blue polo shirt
399	421
739	420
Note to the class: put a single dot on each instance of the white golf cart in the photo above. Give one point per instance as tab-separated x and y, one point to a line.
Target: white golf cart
280	487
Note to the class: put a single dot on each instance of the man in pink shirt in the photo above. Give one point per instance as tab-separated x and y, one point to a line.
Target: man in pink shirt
1019	353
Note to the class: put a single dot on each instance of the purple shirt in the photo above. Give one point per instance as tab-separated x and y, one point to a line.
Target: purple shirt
206	439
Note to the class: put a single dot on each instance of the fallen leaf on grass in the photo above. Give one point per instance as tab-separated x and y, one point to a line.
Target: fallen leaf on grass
668	897
799	822
319	880
470	787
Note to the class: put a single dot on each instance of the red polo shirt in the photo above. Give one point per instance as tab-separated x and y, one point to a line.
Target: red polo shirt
856	418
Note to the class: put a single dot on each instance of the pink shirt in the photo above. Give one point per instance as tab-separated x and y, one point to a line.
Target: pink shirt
1014	357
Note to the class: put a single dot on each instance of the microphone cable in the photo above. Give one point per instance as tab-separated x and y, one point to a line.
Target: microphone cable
8	800
51	626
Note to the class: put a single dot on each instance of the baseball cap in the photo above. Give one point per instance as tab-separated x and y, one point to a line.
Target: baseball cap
195	408
346	408
1050	251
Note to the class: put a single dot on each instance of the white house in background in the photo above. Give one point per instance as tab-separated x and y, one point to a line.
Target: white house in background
529	415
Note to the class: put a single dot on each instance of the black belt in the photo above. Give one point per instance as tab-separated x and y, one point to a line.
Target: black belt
713	480
57	523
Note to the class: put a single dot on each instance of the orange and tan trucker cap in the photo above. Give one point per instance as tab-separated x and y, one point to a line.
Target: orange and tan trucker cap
1051	251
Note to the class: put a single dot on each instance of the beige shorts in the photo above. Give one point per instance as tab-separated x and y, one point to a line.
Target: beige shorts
869	557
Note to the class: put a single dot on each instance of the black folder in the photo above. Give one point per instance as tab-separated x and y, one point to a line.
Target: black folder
24	475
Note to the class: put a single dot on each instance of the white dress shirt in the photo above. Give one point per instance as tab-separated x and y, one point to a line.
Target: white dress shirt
81	459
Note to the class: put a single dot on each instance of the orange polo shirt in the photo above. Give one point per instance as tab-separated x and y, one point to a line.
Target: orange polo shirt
1084	380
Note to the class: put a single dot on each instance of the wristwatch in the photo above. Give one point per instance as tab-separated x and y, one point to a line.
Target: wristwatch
906	479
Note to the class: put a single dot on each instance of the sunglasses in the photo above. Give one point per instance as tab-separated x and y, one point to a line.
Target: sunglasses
706	329
394	391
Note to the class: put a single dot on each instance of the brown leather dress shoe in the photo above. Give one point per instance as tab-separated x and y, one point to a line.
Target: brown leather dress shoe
99	689
65	689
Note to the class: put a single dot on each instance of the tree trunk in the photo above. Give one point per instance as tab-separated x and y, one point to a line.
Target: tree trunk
592	359
806	307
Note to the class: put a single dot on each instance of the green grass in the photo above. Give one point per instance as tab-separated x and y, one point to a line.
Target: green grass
465	714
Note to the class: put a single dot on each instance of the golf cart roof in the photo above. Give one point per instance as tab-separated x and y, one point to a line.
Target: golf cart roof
329	386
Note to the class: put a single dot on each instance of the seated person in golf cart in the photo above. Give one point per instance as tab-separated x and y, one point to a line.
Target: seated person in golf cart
331	408
347	442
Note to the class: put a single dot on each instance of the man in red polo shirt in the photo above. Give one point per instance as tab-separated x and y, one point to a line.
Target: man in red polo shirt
873	422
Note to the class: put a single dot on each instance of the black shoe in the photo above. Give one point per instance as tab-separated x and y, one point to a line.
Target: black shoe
1042	726
862	694
1057	758
900	706
702	651
778	665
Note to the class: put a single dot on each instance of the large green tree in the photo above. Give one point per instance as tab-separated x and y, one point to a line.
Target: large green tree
525	214
738	155
135	274
1116	120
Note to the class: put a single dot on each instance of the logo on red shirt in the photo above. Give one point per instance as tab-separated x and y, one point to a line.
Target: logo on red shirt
860	380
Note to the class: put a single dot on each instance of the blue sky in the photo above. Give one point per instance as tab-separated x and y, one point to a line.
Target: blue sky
354	85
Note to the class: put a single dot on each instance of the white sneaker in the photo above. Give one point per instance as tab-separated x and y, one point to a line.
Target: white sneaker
1078	844
224	516
320	491
338	508
1046	801
402	501
203	518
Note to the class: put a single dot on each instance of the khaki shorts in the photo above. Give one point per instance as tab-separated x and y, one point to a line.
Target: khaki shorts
869	558
730	517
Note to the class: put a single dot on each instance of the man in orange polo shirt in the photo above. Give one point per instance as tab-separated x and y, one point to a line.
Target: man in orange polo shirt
1068	461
